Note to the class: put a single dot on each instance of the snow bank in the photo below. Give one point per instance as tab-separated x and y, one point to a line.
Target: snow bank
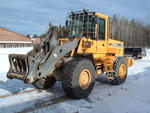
7	51
4	52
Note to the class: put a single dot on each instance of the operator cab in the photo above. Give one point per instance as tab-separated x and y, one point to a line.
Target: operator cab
86	24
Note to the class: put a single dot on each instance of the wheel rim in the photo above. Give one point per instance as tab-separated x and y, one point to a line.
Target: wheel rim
85	79
122	71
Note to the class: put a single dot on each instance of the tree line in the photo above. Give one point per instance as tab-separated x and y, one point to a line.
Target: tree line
131	32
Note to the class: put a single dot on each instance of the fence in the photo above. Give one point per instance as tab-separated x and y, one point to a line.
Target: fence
15	45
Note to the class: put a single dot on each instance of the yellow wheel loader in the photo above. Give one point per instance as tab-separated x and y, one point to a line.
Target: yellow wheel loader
75	60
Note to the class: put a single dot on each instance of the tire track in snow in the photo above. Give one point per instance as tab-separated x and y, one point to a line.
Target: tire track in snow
44	103
49	102
18	93
41	103
15	93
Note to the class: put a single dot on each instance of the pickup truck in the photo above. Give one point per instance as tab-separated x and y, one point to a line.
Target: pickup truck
136	53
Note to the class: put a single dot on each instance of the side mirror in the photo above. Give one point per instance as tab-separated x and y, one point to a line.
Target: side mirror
66	23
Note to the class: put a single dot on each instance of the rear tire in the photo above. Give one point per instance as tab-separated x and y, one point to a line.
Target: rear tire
135	57
78	78
120	71
44	83
140	57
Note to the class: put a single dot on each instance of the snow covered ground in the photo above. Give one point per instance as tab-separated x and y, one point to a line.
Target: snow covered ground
131	97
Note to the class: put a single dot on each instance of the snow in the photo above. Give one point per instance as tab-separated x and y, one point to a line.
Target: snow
66	108
131	97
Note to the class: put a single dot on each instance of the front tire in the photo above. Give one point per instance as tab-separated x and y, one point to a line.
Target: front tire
78	78
120	71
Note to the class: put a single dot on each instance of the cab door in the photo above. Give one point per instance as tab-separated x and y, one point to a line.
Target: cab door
101	36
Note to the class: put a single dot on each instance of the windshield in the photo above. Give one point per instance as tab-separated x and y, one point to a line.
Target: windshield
82	25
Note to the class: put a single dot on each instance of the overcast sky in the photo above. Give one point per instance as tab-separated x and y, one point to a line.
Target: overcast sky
33	16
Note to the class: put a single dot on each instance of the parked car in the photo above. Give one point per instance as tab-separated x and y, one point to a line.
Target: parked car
136	53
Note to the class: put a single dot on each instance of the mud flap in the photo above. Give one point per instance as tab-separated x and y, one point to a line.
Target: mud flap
130	61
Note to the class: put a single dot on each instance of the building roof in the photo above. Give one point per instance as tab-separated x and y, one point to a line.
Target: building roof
7	36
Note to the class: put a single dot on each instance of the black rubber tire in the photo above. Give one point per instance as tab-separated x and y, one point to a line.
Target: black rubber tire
135	57
140	57
44	83
70	80
117	80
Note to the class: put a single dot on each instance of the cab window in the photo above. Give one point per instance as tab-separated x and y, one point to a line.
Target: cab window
101	29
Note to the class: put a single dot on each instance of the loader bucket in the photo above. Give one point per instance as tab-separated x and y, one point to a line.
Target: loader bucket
41	61
25	66
18	66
